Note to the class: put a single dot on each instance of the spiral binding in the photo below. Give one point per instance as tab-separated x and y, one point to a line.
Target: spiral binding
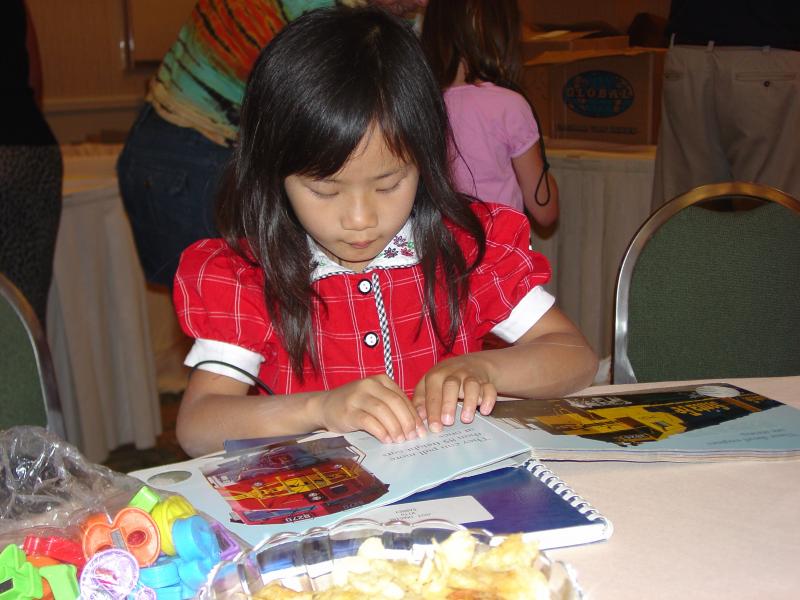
555	483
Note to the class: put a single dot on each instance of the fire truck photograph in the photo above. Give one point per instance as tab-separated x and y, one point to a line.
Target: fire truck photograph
293	481
631	419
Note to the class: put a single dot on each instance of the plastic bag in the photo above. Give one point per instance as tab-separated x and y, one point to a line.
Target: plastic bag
46	481
70	528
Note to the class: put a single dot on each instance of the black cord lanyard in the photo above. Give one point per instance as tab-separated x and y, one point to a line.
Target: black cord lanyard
545	164
256	381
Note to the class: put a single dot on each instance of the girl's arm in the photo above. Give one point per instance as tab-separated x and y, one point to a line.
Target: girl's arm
551	359
216	408
528	167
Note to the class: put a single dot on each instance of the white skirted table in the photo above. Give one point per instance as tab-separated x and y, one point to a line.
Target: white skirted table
604	197
98	325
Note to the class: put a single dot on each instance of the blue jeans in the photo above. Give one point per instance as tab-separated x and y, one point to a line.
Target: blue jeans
168	179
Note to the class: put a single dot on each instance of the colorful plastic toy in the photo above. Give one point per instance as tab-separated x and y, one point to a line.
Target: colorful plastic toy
132	529
109	575
195	540
19	579
198	550
95	518
227	544
145	498
164	573
165	513
39	561
60	548
63	580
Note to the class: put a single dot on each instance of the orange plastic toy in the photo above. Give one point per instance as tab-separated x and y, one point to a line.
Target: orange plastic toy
132	530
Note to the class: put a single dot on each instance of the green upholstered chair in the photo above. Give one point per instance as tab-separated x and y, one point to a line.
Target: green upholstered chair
28	393
709	288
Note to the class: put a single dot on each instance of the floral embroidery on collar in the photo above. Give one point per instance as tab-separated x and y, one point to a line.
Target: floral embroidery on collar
400	252
399	246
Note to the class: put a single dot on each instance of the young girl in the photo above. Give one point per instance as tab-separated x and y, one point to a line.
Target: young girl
352	280
473	49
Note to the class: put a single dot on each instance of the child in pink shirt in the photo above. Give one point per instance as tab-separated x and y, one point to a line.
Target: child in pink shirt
498	154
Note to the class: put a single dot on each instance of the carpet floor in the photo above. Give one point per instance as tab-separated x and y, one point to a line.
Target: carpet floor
167	450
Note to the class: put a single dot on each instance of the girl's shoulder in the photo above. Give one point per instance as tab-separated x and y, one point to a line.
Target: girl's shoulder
210	250
492	214
501	224
213	258
218	295
508	244
485	96
484	89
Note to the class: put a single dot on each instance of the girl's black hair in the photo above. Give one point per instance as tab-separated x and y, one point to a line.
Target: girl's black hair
313	93
485	35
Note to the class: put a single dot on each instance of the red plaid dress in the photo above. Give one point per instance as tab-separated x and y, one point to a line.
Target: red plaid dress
372	321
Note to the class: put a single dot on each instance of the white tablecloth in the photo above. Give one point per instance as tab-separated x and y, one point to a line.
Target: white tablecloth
97	315
604	198
704	530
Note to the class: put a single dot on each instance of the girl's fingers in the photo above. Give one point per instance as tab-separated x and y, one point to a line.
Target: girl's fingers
388	404
374	427
433	407
380	410
450	393
418	400
410	420
472	398
488	398
437	395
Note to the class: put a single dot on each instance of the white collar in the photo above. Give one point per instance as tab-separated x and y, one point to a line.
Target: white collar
400	252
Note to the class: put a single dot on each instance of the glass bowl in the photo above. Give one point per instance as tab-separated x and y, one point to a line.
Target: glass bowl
304	561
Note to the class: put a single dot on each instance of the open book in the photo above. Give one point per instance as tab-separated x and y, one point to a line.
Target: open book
316	481
708	422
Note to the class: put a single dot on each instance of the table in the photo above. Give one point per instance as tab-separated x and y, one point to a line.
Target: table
98	326
702	530
605	194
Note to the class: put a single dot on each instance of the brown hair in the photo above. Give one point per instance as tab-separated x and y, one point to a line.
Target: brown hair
484	34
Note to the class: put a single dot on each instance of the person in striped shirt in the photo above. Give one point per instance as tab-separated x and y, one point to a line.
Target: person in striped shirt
170	165
353	285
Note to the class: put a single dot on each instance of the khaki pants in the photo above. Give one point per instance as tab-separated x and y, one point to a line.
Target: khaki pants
729	113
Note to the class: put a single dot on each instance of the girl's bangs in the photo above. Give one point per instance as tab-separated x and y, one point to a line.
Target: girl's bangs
337	128
325	147
328	146
396	138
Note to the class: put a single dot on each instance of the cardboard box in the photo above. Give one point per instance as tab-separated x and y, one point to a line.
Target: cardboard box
617	15
535	42
604	95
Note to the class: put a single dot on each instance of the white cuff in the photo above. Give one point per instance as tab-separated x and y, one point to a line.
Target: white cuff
524	315
237	356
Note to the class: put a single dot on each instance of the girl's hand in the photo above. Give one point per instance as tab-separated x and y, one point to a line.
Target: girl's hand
466	378
376	405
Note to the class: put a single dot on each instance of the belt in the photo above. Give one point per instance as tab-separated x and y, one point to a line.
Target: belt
690	40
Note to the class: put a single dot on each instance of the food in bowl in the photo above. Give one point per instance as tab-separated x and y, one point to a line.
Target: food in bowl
459	568
310	564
